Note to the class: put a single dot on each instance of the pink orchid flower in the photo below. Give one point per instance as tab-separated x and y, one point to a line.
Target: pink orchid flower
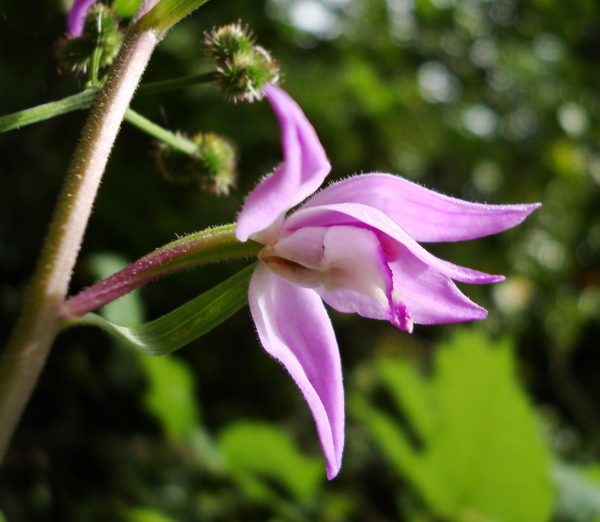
77	14
355	246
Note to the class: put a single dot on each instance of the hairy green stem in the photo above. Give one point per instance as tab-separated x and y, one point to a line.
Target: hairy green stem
26	353
86	99
208	246
82	100
160	133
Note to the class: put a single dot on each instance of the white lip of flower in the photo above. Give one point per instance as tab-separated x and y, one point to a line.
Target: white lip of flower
313	264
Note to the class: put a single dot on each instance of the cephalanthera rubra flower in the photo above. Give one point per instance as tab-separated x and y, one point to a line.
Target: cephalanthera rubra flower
354	245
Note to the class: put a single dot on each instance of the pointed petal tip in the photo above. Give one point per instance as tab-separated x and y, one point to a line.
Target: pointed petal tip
526	208
332	471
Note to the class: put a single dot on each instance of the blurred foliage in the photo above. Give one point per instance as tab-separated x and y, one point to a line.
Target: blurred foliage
472	448
488	100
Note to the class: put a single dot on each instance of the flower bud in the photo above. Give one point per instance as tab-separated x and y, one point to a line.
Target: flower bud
242	67
101	34
213	167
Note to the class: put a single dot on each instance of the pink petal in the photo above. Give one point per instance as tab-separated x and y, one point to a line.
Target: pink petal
424	214
431	297
77	15
294	328
362	215
352	302
303	246
302	171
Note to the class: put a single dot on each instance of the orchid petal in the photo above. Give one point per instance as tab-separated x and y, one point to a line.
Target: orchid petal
294	328
304	246
352	302
431	297
77	14
302	171
361	215
344	257
423	213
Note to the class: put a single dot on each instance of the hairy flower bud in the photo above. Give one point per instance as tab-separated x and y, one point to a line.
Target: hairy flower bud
242	67
213	167
99	42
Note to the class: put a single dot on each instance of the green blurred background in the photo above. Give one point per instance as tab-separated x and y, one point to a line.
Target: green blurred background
487	100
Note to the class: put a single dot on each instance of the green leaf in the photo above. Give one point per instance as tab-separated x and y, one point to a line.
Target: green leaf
410	393
126	8
255	451
483	457
145	515
167	13
170	395
82	100
183	325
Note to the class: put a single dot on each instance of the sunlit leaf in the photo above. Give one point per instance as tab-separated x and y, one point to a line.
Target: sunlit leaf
255	451
126	8
182	325
167	13
170	396
145	515
481	456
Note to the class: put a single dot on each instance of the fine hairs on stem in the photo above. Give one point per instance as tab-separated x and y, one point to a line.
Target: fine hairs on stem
28	348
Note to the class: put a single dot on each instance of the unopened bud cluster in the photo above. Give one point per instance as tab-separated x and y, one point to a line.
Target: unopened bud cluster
213	167
98	44
243	67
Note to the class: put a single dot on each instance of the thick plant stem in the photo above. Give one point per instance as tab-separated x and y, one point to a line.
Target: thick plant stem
26	353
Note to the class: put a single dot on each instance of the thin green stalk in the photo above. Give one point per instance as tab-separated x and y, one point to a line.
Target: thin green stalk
85	99
160	133
177	83
82	100
28	348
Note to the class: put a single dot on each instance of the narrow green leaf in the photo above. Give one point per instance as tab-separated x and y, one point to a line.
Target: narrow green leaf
86	99
126	8
183	325
167	13
177	142
82	100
